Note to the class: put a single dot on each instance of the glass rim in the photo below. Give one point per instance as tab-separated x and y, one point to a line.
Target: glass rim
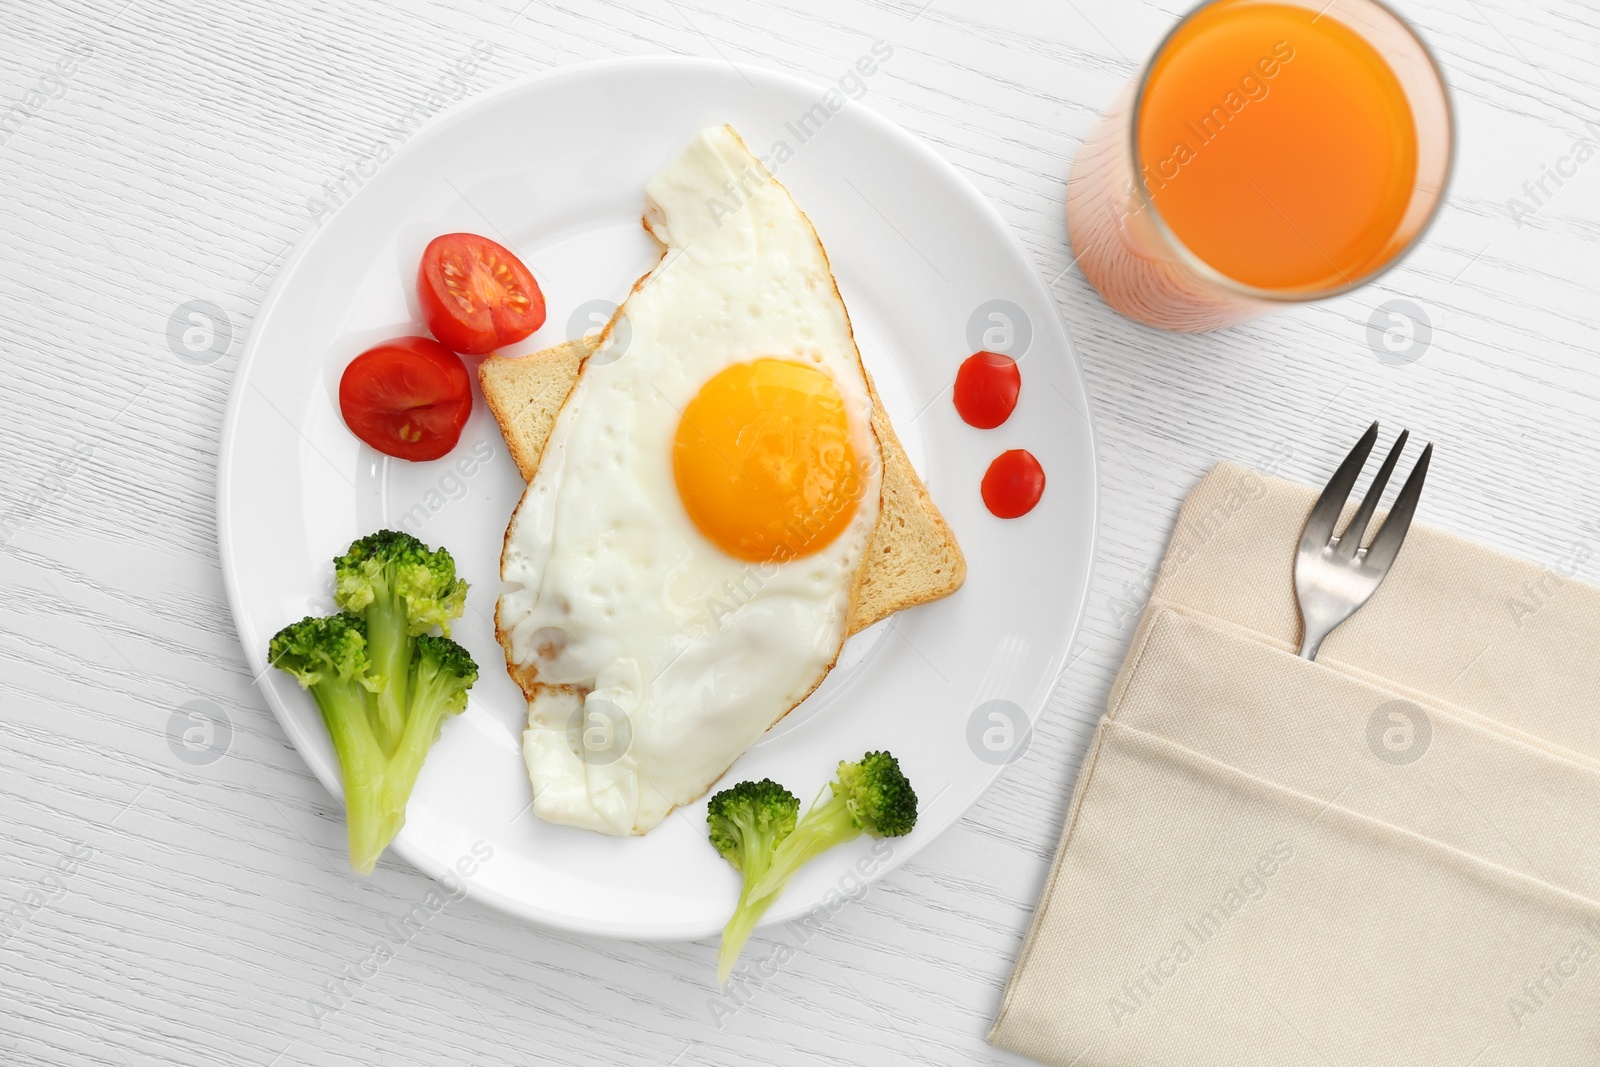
1235	287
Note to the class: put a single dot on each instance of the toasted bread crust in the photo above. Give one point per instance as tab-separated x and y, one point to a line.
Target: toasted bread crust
525	393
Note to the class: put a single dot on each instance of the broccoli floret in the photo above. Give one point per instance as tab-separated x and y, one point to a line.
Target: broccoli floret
328	656
747	822
403	589
441	673
868	797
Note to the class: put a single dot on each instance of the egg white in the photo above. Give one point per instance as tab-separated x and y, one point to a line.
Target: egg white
633	621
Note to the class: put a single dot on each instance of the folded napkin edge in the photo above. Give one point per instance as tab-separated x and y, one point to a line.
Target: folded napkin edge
1158	610
1368	821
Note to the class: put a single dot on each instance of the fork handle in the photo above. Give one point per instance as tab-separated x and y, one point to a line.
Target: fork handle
1311	643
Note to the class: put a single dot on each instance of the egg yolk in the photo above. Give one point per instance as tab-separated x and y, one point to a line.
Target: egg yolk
763	461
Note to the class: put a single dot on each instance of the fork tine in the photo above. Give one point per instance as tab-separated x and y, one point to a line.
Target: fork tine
1350	540
1325	512
1386	546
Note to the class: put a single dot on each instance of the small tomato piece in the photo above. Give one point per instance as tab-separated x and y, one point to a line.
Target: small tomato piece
986	389
476	296
408	398
1013	484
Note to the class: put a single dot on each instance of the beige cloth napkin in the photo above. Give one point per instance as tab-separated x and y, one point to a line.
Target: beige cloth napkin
1389	856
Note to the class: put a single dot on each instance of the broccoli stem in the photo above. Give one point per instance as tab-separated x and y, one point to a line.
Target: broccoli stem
389	647
343	704
431	693
745	917
827	824
755	856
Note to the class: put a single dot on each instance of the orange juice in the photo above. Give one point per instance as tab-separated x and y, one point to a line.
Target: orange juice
1277	146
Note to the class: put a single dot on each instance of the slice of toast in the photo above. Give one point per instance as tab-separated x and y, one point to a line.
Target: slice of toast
912	557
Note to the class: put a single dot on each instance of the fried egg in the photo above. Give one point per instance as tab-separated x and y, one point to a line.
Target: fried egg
678	575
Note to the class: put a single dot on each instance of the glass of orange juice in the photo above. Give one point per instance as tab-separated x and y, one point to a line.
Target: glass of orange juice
1273	151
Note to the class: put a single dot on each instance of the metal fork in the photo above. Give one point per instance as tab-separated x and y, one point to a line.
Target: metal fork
1333	574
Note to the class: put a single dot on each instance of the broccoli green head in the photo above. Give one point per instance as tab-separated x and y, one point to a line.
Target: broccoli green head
394	567
750	816
878	795
443	671
316	650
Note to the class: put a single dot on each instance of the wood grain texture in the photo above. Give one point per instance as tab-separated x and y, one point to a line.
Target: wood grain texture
176	163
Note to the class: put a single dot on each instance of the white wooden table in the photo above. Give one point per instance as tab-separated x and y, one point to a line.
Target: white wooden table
173	903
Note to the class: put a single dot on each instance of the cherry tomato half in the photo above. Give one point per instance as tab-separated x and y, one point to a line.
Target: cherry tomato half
476	296
986	389
1013	484
408	398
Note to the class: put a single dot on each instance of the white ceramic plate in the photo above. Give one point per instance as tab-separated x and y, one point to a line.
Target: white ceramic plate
554	167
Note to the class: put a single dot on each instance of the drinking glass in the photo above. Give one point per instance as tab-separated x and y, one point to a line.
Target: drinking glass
1129	251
